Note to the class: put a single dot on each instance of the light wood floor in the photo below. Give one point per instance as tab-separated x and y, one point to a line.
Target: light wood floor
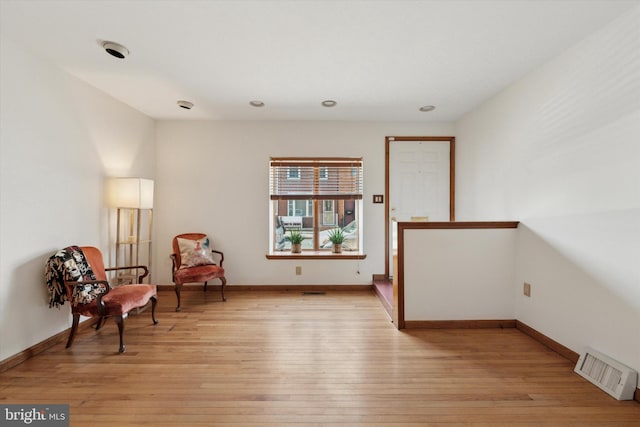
268	358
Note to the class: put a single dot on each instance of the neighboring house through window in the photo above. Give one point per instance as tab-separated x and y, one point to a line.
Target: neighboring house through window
293	172
323	173
316	196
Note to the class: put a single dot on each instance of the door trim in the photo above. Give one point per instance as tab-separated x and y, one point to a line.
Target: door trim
452	177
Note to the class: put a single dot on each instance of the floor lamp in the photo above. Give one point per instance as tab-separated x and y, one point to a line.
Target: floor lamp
130	197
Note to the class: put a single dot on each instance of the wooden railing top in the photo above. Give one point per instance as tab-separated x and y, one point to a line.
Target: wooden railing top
457	224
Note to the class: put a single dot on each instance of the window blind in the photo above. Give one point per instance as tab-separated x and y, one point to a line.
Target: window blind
315	179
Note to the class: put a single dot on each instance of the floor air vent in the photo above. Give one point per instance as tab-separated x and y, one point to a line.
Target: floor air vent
610	375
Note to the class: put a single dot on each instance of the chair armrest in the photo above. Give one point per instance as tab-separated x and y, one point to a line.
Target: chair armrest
221	256
145	270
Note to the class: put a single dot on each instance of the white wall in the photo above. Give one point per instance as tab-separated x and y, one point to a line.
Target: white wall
59	139
213	177
559	151
459	274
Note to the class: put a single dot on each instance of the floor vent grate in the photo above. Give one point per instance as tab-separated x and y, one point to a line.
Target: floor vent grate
610	375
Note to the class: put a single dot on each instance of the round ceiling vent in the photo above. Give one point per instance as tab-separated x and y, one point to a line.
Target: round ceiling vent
115	49
185	104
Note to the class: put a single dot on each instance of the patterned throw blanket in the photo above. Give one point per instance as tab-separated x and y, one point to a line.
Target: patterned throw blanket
70	264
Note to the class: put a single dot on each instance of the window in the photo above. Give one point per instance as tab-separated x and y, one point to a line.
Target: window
299	208
293	173
316	196
324	173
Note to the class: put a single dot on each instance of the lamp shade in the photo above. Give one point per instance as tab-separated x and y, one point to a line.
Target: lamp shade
134	193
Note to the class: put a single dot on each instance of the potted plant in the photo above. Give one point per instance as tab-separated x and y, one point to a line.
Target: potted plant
337	238
296	238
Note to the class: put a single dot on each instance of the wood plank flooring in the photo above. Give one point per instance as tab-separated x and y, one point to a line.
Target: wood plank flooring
269	358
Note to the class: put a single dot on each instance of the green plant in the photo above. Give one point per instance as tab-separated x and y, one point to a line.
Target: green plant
336	236
295	237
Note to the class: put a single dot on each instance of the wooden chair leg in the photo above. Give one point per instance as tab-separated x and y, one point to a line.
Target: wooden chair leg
100	323
154	301
205	286
120	321
224	283
178	308
74	328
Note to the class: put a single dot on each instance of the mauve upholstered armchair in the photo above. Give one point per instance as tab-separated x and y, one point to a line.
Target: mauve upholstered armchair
115	302
194	261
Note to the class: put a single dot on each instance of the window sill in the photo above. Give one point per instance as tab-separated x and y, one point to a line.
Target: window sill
316	255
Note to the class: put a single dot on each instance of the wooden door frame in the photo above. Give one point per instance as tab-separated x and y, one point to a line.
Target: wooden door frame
452	178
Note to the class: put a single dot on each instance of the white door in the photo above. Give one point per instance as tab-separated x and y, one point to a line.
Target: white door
418	184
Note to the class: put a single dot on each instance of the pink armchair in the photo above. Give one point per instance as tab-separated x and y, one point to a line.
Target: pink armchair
113	302
194	262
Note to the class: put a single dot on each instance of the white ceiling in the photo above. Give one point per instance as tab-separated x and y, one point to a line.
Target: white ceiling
380	60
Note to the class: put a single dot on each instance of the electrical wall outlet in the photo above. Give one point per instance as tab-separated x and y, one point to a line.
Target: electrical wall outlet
527	289
298	270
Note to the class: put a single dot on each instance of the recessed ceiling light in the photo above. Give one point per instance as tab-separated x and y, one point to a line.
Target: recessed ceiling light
115	49
427	108
185	104
329	103
256	103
